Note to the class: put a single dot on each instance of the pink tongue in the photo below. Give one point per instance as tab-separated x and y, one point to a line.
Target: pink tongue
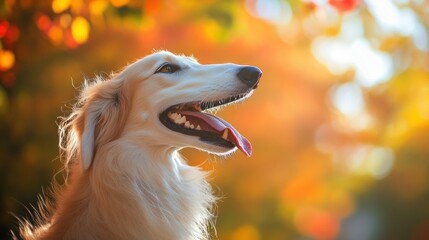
220	125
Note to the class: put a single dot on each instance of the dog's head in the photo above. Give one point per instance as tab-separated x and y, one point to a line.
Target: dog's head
164	100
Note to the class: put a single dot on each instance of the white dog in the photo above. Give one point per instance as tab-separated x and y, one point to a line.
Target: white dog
127	179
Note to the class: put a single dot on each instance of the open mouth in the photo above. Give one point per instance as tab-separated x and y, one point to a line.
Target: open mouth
192	119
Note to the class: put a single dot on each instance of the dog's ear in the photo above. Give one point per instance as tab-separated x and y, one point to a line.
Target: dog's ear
87	140
102	117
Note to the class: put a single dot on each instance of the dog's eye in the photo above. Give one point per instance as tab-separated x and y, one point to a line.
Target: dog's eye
168	68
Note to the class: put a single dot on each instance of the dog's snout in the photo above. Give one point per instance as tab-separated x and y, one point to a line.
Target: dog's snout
250	76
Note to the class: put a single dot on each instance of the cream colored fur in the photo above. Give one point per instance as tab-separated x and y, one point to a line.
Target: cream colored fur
126	177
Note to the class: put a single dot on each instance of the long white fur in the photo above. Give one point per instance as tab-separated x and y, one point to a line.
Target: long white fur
127	179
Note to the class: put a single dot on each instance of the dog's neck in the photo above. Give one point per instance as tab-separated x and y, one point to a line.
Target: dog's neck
133	193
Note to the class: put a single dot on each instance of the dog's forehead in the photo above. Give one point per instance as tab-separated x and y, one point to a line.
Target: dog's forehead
165	56
146	65
188	58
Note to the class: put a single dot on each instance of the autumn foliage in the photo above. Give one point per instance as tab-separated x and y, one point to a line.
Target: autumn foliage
339	123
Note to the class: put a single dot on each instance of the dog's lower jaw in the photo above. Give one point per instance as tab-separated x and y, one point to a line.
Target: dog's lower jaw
157	198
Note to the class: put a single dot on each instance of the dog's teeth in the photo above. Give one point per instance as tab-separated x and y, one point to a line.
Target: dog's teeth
187	124
192	126
225	134
198	127
172	115
176	116
177	119
180	120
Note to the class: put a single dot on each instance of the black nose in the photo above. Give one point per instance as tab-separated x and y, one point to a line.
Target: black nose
250	76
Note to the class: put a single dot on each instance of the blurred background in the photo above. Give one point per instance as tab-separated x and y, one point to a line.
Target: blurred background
339	124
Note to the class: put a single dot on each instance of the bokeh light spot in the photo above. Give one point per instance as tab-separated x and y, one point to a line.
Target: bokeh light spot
80	30
65	20
344	5
59	6
339	55
317	223
151	7
4	26
275	11
55	34
380	162
372	67
301	189
7	60
119	3
375	161
348	99
43	22
246	232
97	7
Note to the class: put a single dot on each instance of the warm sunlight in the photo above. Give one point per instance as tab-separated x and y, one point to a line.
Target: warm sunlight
339	123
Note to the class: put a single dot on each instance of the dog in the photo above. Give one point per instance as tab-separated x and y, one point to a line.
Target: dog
121	142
